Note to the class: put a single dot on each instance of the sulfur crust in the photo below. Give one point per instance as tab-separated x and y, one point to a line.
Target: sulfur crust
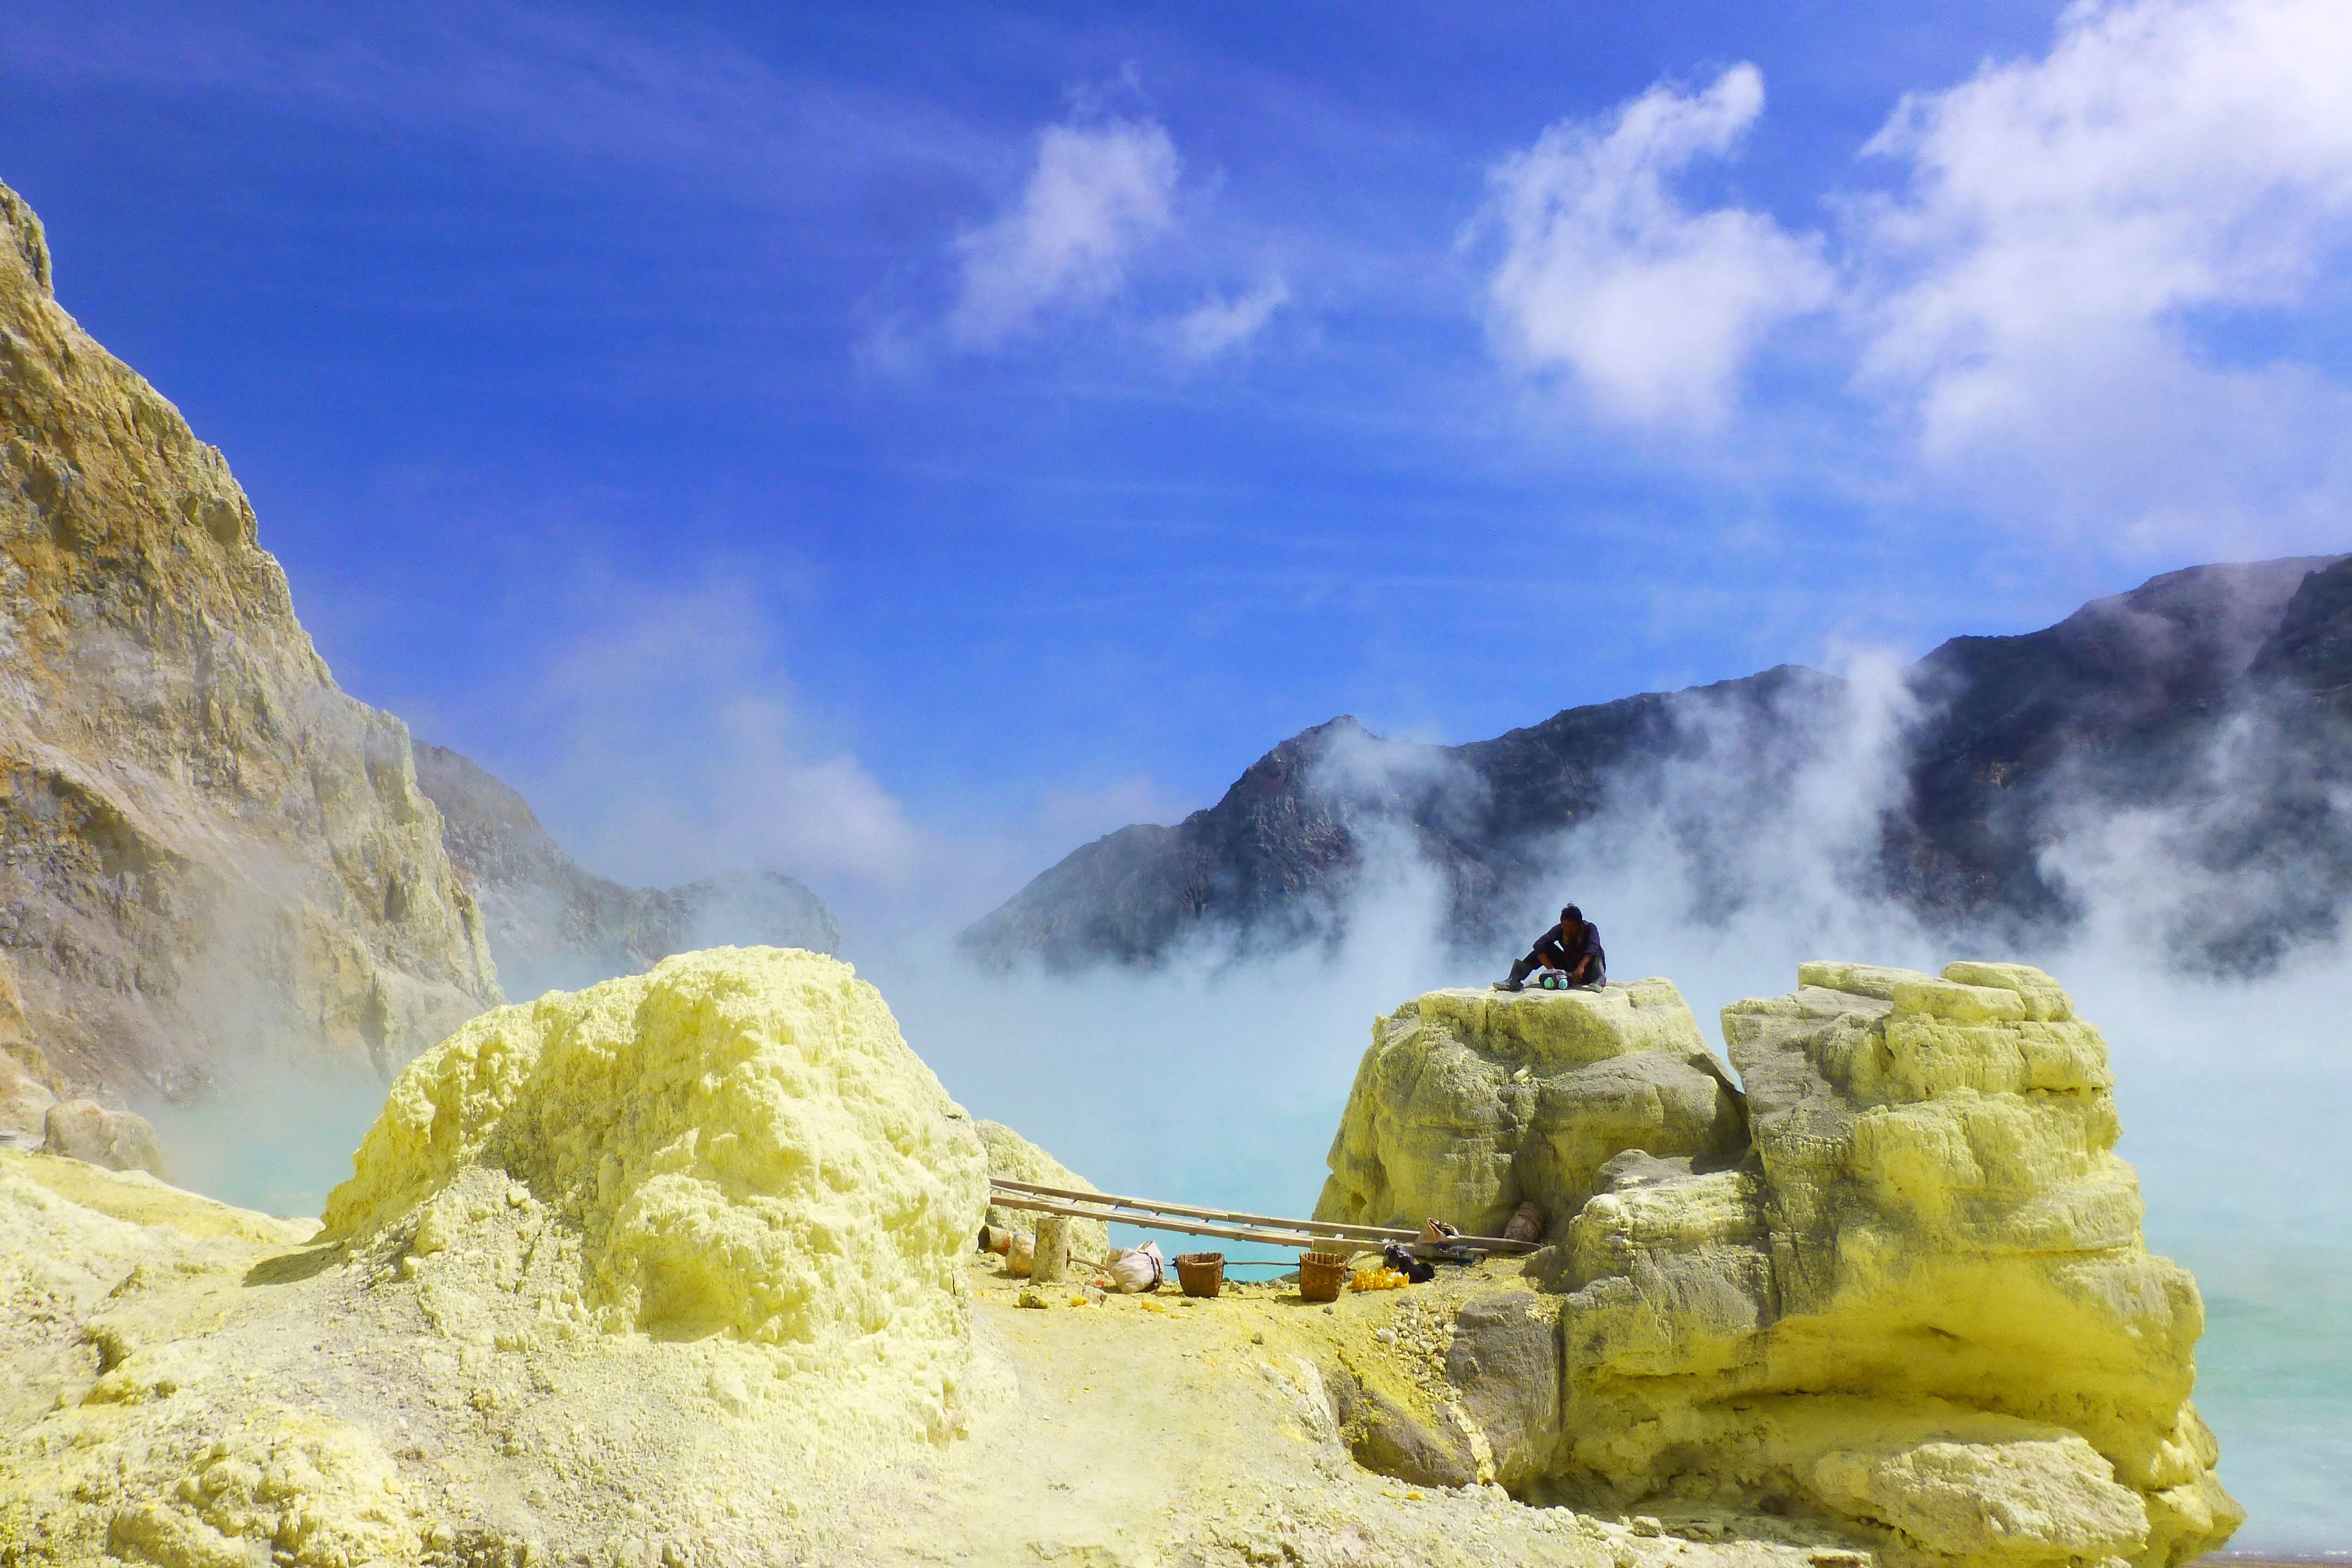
691	1236
739	1141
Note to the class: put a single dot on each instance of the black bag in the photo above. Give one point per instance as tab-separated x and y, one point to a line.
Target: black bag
1405	1263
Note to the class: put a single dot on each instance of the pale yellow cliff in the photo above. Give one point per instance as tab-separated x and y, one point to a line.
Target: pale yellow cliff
208	847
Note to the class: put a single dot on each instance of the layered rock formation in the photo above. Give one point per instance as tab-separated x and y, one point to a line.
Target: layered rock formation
2133	702
554	925
1915	1303
206	847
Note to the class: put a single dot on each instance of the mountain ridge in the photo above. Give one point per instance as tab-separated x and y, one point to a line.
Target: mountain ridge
2007	735
555	925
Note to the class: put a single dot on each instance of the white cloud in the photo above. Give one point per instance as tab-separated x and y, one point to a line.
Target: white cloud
676	753
1221	324
1653	310
2041	297
1097	195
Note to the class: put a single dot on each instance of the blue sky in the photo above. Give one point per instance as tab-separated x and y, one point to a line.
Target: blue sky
897	448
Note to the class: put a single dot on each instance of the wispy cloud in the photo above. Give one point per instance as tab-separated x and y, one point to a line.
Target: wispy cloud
2078	303
1227	321
1097	194
1652	309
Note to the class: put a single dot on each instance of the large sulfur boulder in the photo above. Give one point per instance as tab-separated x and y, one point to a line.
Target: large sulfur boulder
737	1142
1923	1305
1472	1101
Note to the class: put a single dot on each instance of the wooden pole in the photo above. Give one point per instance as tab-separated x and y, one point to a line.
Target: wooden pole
1052	1263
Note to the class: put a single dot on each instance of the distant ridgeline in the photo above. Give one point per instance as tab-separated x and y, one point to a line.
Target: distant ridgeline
2214	699
554	925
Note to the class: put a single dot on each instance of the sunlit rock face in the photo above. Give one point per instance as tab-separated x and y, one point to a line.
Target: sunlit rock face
638	1261
1470	1102
1913	1301
204	845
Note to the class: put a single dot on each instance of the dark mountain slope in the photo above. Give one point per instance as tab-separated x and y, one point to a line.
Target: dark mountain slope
1277	857
2012	742
2111	700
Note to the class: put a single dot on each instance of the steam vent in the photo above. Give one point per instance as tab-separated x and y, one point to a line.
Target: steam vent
680	1270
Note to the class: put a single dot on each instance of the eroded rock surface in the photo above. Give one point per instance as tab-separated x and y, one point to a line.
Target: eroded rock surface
686	1239
1915	1303
86	1130
1472	1101
203	842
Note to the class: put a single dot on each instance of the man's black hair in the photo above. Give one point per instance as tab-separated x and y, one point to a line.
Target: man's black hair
1572	914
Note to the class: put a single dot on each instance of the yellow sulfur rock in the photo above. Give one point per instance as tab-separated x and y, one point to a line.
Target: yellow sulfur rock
1470	1102
739	1139
702	1231
1925	1306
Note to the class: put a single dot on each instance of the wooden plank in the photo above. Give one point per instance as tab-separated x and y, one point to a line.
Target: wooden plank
1328	1227
1185	1227
1370	1232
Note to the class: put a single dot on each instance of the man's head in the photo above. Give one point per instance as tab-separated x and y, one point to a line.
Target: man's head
1570	918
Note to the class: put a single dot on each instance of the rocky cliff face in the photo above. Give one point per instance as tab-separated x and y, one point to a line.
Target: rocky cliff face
553	925
1911	1301
206	847
2127	704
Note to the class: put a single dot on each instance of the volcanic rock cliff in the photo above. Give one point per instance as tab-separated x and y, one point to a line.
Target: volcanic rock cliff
206	847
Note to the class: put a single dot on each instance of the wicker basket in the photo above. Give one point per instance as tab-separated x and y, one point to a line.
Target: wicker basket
1200	1273
1320	1274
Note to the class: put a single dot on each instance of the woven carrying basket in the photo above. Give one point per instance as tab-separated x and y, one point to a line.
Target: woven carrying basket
1200	1273
1320	1274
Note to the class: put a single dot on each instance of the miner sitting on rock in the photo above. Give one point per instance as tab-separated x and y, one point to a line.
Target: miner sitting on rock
1573	947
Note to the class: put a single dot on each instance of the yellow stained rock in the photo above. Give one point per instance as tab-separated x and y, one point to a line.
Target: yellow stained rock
1012	1157
1924	1304
1470	1101
739	1139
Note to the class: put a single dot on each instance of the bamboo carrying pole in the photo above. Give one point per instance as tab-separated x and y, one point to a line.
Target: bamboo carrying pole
1230	1224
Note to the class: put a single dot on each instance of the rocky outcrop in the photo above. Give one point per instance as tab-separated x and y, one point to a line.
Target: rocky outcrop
553	925
2120	706
205	845
1916	1304
1471	1102
86	1130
